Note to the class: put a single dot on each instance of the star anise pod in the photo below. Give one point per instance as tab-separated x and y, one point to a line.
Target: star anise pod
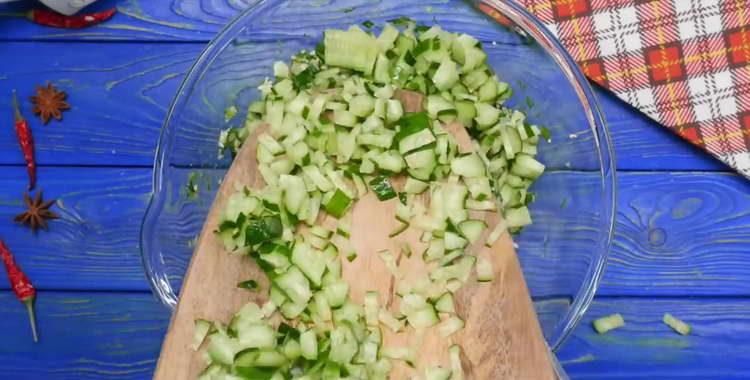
49	102
38	212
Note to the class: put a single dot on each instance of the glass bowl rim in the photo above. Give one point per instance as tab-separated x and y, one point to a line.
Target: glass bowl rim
517	14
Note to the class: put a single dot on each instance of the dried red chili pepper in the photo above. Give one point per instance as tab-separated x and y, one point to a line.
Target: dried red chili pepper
53	19
26	140
20	284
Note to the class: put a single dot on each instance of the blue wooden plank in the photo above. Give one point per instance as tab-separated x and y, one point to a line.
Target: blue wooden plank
184	20
677	233
94	245
118	336
82	336
120	93
681	234
645	348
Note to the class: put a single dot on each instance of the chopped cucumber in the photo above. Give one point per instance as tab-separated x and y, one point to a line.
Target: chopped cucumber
421	160
343	344
371	308
423	318
517	217
610	322
401	227
294	192
457	371
352	49
527	167
308	345
338	204
350	117
470	166
454	241
221	348
446	75
485	270
387	37
445	304
336	293
389	321
202	327
390	262
361	105
391	161
310	262
257	335
415	186
472	229
415	141
450	326
295	285
676	324
437	373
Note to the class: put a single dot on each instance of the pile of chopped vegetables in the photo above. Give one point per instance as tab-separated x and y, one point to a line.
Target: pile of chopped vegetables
344	120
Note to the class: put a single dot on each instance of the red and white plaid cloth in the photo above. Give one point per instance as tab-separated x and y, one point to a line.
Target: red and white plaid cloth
685	63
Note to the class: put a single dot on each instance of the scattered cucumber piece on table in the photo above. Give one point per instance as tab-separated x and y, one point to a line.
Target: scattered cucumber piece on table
676	324
610	322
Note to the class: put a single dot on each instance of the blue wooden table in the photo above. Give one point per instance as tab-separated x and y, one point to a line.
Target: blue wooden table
682	243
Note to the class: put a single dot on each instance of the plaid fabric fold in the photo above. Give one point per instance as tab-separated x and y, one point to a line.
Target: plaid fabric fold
685	63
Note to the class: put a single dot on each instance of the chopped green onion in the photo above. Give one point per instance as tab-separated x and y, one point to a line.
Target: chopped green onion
546	134
304	79
230	112
249	285
401	21
382	188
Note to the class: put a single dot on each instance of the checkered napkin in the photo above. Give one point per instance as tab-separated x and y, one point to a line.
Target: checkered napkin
685	63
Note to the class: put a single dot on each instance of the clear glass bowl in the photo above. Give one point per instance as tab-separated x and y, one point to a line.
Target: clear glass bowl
563	253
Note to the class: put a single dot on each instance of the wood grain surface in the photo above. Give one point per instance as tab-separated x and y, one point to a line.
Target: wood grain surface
646	348
83	335
94	244
119	97
210	288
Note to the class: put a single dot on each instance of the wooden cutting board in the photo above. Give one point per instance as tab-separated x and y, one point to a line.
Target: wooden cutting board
502	338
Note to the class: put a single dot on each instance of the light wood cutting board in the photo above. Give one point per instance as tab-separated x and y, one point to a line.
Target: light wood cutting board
502	338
